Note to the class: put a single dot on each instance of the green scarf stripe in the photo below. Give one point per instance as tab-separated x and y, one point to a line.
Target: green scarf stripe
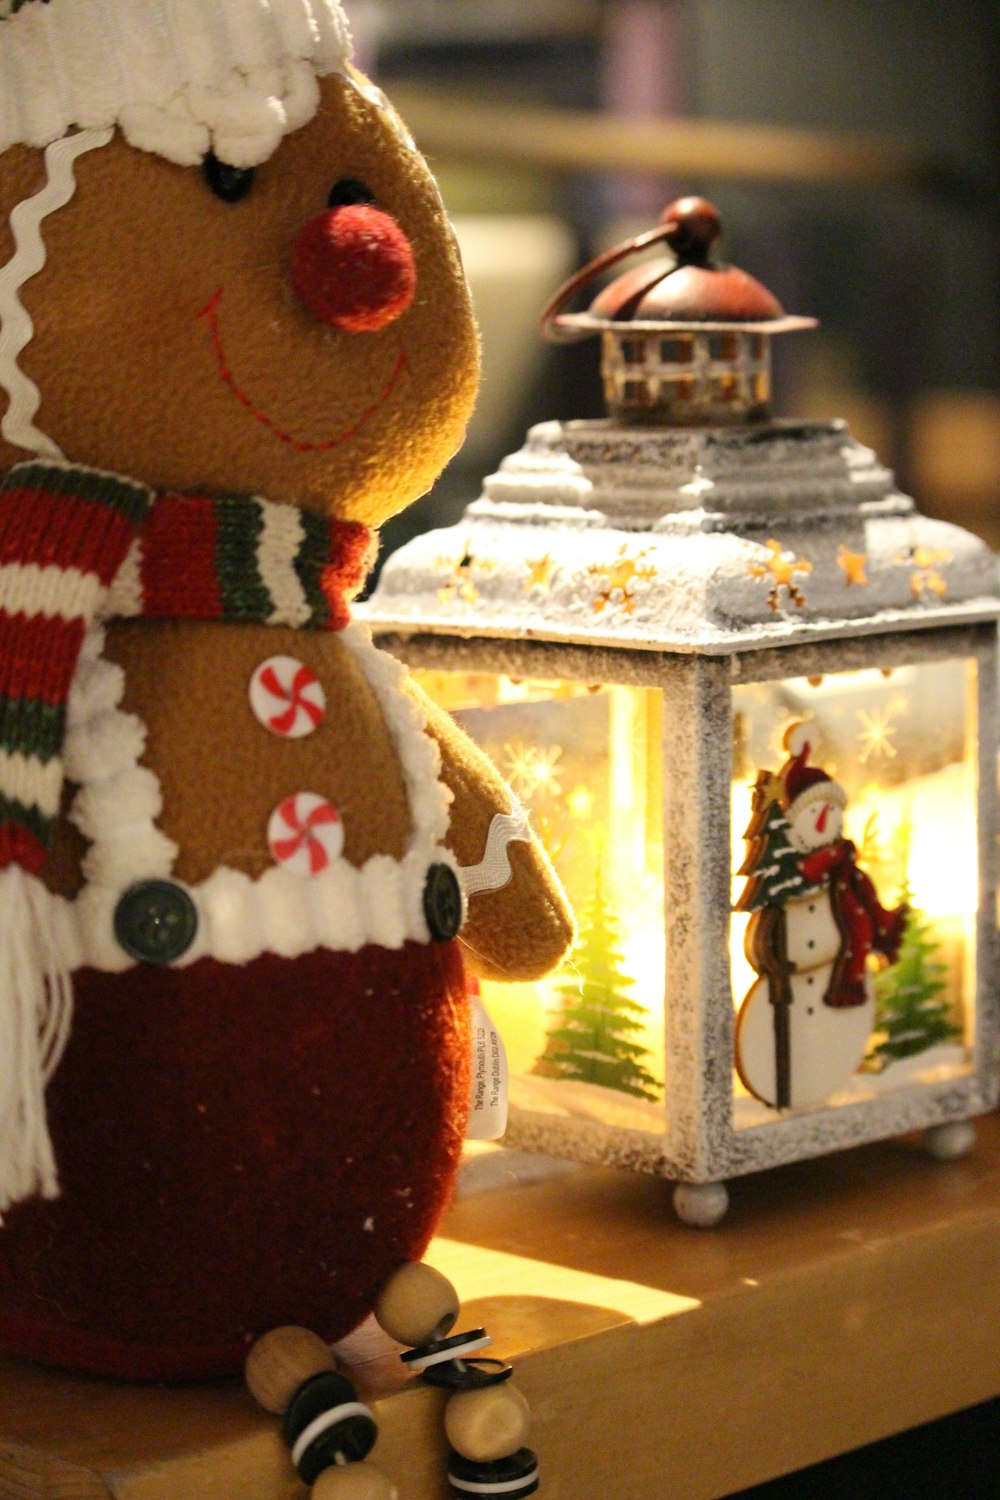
32	818
30	727
310	560
131	500
244	594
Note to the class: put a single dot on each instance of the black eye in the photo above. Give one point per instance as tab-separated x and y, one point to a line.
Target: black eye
228	183
349	190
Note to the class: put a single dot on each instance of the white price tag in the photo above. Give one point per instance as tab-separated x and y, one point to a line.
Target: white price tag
488	1101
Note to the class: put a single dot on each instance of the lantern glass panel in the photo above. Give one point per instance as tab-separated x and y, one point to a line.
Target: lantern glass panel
586	761
902	744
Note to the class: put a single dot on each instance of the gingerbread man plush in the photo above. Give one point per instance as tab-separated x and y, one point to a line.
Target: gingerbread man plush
234	336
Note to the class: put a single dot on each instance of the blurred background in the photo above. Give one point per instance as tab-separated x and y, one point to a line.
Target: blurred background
852	151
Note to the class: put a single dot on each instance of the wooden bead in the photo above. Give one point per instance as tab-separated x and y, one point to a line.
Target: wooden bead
416	1304
279	1363
354	1482
487	1424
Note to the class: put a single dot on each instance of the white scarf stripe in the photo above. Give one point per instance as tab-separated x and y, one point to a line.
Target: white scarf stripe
277	549
32	782
29	589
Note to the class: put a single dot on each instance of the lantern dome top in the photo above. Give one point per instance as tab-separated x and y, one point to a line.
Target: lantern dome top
690	292
686	341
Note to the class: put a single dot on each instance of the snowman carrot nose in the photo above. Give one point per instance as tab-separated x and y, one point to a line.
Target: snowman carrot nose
821	820
353	268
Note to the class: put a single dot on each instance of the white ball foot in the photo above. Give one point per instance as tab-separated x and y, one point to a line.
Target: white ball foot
949	1142
701	1204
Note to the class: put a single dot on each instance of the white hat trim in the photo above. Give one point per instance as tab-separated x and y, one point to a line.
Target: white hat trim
820	791
179	77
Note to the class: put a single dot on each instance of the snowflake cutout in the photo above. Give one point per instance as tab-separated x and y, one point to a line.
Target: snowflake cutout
532	768
875	734
618	579
781	567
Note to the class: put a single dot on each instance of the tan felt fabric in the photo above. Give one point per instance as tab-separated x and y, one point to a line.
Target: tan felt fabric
523	930
222	773
129	377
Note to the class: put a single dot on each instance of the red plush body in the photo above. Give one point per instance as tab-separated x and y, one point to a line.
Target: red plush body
193	1217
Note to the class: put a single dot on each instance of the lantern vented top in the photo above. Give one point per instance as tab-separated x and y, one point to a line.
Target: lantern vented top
686	342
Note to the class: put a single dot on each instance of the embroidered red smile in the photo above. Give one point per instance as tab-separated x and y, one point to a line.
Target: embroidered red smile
210	313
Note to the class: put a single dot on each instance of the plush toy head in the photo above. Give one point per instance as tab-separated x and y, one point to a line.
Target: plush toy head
254	289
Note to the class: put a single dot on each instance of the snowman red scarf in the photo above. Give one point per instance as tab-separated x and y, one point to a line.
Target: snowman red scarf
78	546
865	925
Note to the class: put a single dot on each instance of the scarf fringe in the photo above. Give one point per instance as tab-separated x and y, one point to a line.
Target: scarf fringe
35	1022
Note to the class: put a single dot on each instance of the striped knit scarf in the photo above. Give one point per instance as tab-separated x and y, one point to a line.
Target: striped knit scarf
79	546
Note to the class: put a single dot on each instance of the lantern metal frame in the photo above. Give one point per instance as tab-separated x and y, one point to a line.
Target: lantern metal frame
713	601
700	1143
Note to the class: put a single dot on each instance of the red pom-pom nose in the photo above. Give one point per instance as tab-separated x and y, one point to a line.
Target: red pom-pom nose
353	268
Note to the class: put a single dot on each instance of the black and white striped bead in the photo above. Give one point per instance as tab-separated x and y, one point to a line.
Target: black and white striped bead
504	1479
325	1423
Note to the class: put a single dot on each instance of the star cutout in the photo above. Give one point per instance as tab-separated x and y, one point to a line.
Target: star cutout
461	584
781	568
618	578
853	565
926	577
539	573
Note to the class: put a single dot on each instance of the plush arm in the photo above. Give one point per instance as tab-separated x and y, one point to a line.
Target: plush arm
524	929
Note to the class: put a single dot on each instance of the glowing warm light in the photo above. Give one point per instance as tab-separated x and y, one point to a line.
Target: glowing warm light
581	803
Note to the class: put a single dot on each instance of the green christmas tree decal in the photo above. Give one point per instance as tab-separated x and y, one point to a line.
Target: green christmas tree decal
591	1041
909	1015
771	864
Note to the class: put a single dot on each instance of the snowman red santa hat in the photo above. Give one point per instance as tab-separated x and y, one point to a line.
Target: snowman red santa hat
805	787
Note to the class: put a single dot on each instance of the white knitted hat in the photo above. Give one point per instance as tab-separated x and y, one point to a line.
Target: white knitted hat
178	77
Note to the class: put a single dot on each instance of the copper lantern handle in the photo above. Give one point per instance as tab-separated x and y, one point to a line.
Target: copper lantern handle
550	323
689	225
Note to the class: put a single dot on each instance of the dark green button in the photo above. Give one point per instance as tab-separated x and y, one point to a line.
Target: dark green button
156	921
442	903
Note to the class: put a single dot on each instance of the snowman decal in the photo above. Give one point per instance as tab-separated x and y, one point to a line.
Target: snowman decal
804	1025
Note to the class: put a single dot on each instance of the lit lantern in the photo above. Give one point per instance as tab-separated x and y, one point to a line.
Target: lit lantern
748	695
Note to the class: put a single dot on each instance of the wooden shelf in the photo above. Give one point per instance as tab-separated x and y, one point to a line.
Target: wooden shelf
841	1301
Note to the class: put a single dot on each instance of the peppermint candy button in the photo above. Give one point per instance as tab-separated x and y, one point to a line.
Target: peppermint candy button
287	697
304	833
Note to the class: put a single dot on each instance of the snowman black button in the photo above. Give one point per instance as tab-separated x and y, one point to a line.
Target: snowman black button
155	921
442	903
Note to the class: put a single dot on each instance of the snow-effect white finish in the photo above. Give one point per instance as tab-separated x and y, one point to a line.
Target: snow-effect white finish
690	513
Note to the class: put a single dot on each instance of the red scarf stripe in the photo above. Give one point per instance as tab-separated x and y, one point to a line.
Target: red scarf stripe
179	577
38	657
342	579
37	526
19	846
